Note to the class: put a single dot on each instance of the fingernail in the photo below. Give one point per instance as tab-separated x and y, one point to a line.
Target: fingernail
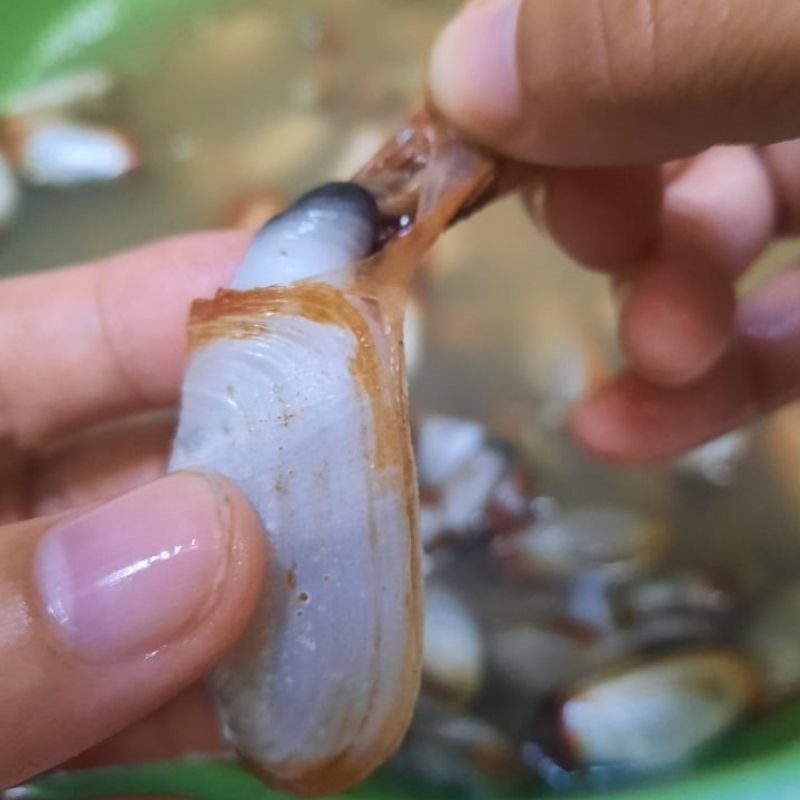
132	575
473	73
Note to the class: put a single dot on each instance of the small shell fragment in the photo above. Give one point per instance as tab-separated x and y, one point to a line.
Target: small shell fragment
614	542
60	152
452	651
717	461
657	713
9	193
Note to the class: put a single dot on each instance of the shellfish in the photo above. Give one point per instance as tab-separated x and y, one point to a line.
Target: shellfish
295	390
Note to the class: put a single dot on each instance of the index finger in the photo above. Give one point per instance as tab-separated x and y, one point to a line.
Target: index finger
88	343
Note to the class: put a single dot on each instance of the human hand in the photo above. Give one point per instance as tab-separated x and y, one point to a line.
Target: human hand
110	609
615	98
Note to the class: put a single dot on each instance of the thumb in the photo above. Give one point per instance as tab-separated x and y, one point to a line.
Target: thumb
106	613
575	83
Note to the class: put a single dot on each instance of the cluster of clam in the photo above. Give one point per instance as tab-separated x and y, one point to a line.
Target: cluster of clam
45	142
572	645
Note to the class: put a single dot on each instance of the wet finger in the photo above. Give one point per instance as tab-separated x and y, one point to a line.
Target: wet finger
90	343
723	201
677	316
108	613
100	463
185	725
603	218
633	420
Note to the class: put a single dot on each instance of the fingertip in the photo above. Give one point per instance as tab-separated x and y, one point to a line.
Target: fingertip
473	74
677	319
603	218
723	202
599	423
630	420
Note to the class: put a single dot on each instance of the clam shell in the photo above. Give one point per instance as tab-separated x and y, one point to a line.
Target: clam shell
453	649
654	714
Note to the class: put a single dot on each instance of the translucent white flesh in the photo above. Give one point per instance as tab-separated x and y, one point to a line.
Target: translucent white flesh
63	153
321	688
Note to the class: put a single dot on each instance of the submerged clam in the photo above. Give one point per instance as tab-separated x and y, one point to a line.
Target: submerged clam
657	713
295	391
453	650
718	461
57	151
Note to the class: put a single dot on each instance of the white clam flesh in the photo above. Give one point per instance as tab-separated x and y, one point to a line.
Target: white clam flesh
57	151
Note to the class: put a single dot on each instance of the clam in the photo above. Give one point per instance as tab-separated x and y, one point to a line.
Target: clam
453	650
657	713
443	445
614	542
675	607
57	151
295	390
717	461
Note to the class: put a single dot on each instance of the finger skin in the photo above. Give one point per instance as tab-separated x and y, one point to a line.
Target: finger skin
57	702
89	343
630	420
570	82
185	725
603	218
677	317
726	201
100	463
